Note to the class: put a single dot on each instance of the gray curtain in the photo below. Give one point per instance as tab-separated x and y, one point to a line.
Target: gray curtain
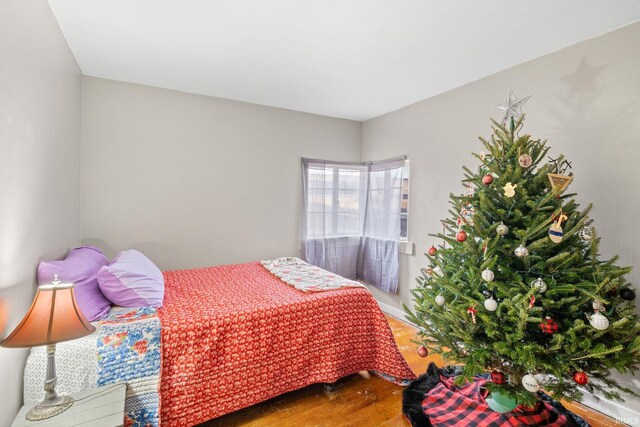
351	218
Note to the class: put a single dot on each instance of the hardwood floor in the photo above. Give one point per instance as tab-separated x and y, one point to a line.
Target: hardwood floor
355	401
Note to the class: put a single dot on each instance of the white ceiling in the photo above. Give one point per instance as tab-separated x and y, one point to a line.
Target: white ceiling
355	59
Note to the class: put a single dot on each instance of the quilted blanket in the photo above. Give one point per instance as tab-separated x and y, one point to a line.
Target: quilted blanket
306	277
133	336
234	335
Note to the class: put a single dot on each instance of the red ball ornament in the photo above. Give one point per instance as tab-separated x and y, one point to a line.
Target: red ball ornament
549	326
432	251
461	236
498	377
581	378
422	351
487	179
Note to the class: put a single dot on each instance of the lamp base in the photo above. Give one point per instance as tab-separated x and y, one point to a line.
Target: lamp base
49	408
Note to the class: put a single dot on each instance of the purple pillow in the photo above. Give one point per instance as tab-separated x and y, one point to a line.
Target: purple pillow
81	268
132	280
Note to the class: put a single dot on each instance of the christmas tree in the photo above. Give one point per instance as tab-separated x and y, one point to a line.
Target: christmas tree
517	287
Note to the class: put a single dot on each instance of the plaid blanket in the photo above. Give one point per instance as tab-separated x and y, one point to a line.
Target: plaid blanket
434	400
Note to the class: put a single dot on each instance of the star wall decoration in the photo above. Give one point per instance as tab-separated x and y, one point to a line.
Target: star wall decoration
583	81
512	106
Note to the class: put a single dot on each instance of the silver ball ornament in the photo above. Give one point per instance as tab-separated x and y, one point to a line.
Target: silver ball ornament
502	229
586	234
539	285
521	251
491	304
542	378
440	300
599	322
530	383
487	275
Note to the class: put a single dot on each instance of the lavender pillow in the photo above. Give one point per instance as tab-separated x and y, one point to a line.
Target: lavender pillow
81	268
132	280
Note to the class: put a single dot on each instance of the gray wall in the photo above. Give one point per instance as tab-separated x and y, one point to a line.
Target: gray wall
39	164
586	102
196	181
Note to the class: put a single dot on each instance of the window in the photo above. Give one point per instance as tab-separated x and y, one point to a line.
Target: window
335	200
404	204
336	195
354	216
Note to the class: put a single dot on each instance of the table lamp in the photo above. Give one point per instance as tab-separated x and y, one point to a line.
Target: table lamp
54	316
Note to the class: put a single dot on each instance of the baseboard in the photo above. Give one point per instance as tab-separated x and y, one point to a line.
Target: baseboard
395	312
619	411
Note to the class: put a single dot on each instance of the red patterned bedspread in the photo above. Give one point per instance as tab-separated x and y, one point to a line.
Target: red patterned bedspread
235	335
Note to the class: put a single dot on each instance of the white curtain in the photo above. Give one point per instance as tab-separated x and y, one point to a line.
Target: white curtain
333	215
351	218
378	261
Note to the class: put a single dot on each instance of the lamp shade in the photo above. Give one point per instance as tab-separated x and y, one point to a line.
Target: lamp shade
3	316
54	316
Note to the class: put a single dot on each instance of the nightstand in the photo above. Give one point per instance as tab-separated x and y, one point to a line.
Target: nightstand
95	407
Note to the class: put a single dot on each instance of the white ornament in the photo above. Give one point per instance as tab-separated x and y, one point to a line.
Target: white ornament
502	229
521	251
599	322
530	383
440	300
469	191
539	285
491	304
467	214
437	271
598	305
487	275
525	160
586	234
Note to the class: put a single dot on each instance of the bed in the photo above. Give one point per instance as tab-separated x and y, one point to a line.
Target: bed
227	337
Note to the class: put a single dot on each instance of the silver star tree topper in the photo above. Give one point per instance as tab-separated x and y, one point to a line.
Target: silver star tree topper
512	106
